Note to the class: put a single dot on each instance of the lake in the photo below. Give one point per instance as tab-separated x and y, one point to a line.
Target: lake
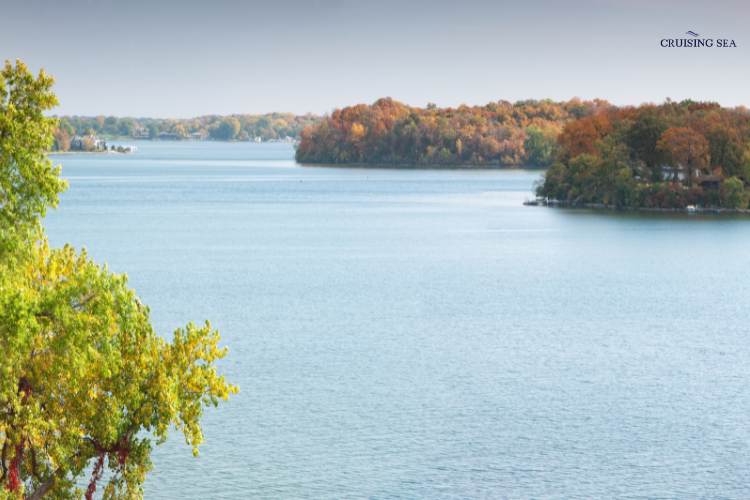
420	334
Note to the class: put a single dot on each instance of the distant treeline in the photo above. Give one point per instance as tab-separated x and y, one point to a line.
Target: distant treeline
668	156
389	132
234	127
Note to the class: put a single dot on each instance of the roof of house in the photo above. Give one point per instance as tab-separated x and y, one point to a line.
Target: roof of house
709	178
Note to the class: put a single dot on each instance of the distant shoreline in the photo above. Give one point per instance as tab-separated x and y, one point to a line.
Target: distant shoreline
108	152
418	166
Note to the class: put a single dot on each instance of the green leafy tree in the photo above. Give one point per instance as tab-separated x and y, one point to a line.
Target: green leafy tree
127	127
540	146
110	125
642	138
733	193
725	149
83	376
29	183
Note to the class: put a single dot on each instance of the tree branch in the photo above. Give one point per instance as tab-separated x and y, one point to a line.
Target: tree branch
42	490
2	462
33	463
47	485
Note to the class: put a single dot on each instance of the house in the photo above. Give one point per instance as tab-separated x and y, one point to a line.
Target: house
141	131
86	142
197	136
709	181
667	173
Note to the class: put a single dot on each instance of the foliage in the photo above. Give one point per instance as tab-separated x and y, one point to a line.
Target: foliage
733	193
225	129
389	132
266	127
653	156
83	376
29	183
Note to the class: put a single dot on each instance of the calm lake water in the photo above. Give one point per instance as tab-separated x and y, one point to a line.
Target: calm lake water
406	334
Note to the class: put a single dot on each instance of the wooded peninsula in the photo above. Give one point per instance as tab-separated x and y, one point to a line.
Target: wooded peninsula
671	155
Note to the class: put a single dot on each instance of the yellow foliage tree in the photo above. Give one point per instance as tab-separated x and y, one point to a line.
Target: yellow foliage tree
83	375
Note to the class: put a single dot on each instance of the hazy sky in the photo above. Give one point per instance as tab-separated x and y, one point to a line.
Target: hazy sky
151	58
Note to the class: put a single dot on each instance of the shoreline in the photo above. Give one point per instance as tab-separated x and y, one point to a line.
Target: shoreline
108	152
602	206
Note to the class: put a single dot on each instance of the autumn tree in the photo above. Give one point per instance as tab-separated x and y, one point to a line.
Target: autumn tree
179	131
686	148
62	139
580	136
84	377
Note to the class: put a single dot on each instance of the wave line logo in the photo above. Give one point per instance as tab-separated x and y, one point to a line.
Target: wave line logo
691	33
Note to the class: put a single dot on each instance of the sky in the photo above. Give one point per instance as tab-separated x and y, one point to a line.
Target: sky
188	58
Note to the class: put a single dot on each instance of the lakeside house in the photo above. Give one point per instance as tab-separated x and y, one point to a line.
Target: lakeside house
709	181
141	132
87	142
197	136
667	173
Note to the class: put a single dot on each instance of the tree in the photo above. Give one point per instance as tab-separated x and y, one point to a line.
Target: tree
83	375
110	125
62	139
541	145
733	193
642	137
725	147
29	183
580	136
179	131
225	129
127	126
687	148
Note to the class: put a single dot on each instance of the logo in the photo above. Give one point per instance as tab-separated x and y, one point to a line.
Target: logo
696	42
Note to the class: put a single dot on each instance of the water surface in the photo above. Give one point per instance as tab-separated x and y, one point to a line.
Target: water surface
418	334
